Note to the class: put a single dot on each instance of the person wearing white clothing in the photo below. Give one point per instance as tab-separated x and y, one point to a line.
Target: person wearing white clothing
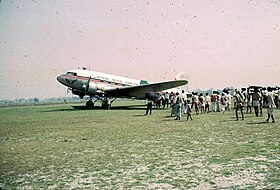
270	104
184	100
208	102
178	104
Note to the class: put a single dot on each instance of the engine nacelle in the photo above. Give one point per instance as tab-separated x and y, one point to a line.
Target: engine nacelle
150	96
81	94
92	88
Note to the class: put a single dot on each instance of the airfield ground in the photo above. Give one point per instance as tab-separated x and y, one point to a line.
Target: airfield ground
68	147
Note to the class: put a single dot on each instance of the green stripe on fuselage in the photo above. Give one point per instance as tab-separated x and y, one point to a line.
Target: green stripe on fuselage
143	82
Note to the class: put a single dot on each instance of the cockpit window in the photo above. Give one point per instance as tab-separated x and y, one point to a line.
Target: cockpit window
71	74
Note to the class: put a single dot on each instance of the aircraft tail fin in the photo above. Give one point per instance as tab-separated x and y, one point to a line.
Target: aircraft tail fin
180	76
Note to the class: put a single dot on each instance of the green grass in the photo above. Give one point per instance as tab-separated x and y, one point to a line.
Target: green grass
59	147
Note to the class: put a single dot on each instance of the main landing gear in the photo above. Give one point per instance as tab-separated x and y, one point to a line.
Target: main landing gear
89	104
106	103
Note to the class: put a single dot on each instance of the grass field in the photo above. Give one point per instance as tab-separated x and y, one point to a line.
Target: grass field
66	147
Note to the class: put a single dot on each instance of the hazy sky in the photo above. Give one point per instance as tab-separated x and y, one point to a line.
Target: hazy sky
217	43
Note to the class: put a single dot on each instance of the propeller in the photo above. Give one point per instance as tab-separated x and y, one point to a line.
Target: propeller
87	85
92	88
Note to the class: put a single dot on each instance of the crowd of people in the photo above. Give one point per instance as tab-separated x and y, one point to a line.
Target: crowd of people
258	98
219	101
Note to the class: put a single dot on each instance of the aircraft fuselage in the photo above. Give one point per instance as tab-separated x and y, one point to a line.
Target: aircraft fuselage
95	82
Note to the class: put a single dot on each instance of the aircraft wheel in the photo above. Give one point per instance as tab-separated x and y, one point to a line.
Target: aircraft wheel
89	104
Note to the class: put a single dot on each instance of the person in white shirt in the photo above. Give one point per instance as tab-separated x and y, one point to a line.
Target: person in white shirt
178	104
270	104
229	101
166	100
208	102
196	100
184	100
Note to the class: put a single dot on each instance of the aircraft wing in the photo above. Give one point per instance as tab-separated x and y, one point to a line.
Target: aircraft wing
141	90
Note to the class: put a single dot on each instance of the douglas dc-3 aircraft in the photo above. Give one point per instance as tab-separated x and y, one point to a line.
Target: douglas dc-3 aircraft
105	86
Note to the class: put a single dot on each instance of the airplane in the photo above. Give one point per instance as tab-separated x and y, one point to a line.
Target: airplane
104	87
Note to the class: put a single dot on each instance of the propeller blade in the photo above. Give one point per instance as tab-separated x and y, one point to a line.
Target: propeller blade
87	85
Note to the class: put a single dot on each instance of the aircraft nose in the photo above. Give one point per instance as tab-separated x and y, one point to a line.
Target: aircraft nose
60	79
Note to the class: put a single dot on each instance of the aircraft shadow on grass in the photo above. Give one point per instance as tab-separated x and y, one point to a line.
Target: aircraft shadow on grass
250	123
131	107
82	108
257	123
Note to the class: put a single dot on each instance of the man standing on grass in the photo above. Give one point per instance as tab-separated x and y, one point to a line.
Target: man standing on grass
239	102
196	100
201	103
208	103
166	100
213	101
270	104
178	104
172	103
189	110
256	101
278	95
224	102
229	97
184	98
149	106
